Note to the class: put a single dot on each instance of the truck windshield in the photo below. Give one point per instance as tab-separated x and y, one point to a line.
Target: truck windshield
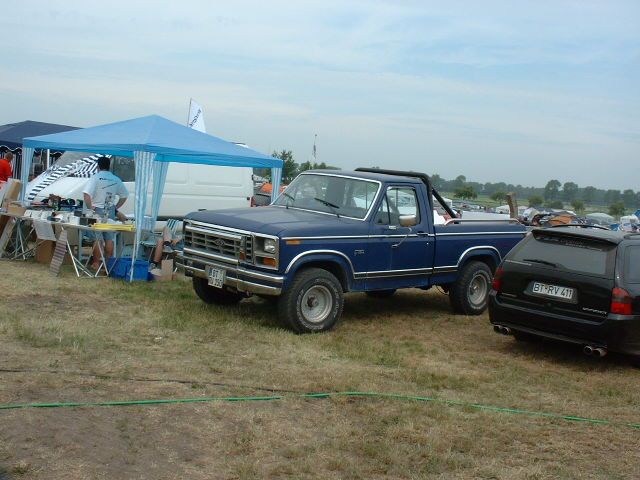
342	196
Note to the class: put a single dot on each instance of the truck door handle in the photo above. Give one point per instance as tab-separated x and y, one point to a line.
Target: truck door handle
396	245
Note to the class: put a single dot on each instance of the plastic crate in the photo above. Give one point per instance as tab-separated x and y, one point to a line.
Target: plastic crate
121	268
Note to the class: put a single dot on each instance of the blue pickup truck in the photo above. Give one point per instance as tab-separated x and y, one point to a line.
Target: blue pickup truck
332	232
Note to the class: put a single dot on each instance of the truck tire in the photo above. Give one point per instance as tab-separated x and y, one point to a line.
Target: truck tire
381	293
217	296
313	302
469	295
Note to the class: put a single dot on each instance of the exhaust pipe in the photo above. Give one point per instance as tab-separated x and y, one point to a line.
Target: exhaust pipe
502	329
589	350
600	352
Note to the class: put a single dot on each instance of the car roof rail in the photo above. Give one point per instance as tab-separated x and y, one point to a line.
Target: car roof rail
581	225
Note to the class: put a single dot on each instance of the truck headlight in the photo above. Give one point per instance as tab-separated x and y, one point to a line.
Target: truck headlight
269	245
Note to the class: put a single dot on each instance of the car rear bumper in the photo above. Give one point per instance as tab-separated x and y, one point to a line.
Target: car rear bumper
619	333
236	277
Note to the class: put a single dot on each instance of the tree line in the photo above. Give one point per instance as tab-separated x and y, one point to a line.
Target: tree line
290	168
554	194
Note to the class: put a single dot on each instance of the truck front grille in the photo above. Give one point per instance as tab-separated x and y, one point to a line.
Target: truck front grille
221	244
248	248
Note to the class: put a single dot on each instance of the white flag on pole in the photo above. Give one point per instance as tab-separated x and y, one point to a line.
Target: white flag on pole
196	117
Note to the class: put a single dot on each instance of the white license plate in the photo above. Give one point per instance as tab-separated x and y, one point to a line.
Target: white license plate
216	277
547	290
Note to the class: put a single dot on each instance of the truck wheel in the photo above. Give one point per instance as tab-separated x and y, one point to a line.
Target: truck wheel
218	296
470	293
381	293
313	302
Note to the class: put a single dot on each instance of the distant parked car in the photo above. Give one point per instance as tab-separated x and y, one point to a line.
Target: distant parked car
574	284
260	199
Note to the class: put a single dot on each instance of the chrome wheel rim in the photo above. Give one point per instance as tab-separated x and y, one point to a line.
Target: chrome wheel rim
478	289
316	304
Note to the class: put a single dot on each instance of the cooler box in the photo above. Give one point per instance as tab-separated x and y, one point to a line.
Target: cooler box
121	268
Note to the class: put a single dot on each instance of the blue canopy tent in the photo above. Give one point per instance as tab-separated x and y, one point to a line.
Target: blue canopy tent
152	141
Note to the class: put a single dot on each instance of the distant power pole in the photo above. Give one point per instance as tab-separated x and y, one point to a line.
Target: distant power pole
314	152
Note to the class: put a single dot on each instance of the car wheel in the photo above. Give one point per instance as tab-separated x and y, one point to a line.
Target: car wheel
218	296
313	302
469	295
381	293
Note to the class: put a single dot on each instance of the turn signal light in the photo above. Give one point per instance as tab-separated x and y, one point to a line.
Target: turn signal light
497	279
269	261
621	301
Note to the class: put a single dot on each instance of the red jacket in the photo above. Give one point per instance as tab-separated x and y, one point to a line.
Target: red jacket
5	170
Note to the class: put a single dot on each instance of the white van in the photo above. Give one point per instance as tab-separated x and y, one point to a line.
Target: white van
188	187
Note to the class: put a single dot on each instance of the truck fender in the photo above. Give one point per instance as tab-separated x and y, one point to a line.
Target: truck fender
486	253
332	260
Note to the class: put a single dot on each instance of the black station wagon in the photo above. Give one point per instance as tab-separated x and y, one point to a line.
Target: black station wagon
576	284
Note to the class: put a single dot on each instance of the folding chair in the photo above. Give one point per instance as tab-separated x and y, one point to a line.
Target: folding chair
151	242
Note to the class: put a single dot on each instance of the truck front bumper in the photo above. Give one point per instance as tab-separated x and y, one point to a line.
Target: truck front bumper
237	277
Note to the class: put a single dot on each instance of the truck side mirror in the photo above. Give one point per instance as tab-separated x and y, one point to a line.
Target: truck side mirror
408	220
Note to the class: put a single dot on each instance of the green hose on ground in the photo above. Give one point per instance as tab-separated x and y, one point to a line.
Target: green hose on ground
392	396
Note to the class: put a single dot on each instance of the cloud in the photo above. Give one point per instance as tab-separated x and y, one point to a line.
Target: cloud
477	84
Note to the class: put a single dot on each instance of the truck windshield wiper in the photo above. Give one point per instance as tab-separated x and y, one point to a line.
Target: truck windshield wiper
288	196
543	262
329	204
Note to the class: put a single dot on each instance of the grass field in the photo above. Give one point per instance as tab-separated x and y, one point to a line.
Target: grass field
66	339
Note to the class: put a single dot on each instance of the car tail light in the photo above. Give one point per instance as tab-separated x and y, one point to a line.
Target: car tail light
621	301
497	279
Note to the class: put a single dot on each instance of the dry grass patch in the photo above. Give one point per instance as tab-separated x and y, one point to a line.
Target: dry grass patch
82	340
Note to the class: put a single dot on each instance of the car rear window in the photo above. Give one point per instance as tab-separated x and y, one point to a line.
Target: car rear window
580	255
632	264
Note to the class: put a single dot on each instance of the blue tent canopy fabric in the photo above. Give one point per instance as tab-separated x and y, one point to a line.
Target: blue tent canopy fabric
152	141
12	134
170	141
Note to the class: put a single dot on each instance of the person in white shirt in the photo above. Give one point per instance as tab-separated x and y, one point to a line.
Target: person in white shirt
100	195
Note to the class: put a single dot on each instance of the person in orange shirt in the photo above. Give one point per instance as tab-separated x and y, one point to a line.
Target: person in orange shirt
5	167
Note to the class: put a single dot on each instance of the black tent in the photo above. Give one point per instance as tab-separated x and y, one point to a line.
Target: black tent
11	134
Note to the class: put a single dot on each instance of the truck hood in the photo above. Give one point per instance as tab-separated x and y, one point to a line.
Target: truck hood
281	221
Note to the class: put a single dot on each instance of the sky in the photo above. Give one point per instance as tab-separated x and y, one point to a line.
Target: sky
512	91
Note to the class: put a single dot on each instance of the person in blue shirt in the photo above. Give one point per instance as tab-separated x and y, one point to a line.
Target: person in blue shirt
104	193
